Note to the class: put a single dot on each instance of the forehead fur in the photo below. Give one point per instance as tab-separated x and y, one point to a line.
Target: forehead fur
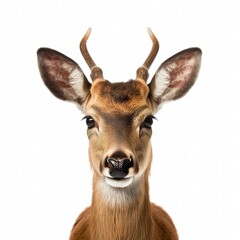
120	96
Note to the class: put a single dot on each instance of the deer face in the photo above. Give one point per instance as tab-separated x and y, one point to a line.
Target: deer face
119	116
119	119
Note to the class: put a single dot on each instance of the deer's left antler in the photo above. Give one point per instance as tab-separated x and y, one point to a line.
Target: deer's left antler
142	72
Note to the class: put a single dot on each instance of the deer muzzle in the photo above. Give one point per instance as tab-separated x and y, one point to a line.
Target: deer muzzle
117	166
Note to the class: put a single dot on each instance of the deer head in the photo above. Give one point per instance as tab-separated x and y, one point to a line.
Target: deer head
119	116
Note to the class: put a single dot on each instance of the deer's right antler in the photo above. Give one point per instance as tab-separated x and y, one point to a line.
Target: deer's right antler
96	72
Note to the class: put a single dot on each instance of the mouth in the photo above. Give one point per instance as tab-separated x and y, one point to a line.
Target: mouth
119	182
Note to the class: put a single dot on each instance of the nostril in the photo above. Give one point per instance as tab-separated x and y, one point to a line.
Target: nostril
127	163
111	163
119	168
124	163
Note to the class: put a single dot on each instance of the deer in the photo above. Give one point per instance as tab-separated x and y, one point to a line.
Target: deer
119	118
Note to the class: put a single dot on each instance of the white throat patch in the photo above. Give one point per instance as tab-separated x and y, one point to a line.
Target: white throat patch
114	195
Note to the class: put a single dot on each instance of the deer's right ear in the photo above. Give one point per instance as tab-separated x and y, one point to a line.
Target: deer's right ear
63	77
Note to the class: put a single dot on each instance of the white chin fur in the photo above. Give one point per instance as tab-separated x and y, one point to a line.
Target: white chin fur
119	183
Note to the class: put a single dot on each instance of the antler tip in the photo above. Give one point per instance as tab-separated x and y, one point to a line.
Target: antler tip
88	33
151	34
149	30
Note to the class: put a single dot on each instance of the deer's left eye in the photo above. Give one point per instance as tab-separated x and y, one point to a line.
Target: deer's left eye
147	123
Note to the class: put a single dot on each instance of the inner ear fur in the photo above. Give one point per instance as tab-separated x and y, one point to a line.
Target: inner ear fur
63	76
175	76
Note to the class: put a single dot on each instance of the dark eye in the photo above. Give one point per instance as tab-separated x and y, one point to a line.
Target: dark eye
147	123
90	122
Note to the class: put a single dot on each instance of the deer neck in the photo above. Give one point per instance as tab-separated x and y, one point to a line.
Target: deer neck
121	213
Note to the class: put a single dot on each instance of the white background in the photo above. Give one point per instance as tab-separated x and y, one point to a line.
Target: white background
45	177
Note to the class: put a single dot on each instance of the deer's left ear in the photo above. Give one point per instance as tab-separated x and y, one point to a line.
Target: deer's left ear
175	76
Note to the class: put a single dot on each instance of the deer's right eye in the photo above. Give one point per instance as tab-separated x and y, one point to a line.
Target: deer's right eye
90	122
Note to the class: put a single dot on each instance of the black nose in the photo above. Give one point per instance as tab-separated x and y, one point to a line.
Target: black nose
118	168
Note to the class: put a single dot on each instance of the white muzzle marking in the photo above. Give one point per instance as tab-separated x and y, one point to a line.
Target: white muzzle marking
119	183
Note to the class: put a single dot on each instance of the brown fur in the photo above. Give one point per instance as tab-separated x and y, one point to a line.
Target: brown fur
119	114
158	227
138	220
